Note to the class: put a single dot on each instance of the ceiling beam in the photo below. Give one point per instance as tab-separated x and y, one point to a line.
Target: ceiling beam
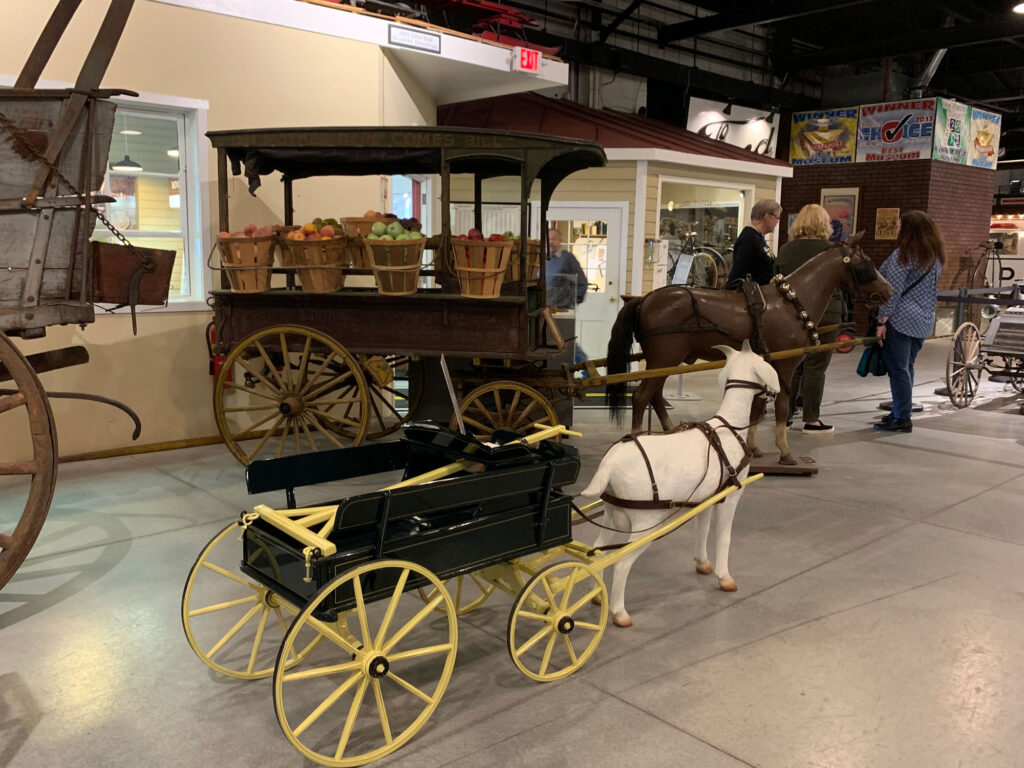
688	78
763	14
910	42
626	13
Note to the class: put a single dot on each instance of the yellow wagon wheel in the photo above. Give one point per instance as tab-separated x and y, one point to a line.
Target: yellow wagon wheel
394	385
703	271
24	411
232	623
554	626
503	405
469	591
287	390
963	372
360	697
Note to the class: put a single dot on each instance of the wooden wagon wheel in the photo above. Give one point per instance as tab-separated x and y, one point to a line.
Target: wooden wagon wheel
503	405
394	385
556	608
291	389
27	408
232	623
469	591
963	371
703	271
360	697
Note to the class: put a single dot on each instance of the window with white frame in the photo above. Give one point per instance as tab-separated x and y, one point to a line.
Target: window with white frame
150	174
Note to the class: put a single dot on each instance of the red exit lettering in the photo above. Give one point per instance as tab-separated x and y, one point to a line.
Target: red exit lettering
525	60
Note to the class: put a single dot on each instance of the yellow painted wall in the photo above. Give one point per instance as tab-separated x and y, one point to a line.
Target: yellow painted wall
254	76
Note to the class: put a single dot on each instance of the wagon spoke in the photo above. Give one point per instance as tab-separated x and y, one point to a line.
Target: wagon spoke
314	417
382	711
10	402
587	625
497	404
259	637
257	425
233	631
332	635
284	358
263	440
326	704
534	616
547	589
283	439
222	606
540	635
19	468
583	600
270	365
418	653
311	394
547	653
476	424
392	607
336	419
300	372
481	408
410	687
334	669
251	408
350	721
249	391
309	437
229	575
357	588
315	376
256	374
295	428
424	612
529	407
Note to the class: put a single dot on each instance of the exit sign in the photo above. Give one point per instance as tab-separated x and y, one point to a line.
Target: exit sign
526	60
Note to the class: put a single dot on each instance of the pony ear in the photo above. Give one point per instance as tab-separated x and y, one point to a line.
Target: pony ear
746	346
727	351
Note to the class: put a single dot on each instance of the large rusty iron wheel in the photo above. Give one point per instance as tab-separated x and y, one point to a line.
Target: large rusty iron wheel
394	385
28	407
506	405
287	390
963	369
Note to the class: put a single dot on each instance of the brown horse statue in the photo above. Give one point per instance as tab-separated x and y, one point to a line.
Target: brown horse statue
676	324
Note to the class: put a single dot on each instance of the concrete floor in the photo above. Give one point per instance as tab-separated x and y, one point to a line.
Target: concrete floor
878	622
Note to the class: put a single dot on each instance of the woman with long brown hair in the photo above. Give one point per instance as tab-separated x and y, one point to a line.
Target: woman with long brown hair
908	318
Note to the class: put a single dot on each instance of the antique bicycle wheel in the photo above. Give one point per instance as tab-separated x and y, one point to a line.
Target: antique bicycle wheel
394	385
703	271
287	390
26	422
232	623
505	405
963	371
554	626
469	591
361	696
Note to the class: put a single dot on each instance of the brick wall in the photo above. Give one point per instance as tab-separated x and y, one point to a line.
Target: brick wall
958	197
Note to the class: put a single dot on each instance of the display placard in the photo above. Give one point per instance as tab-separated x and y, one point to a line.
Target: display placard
898	130
952	128
823	137
983	151
887	223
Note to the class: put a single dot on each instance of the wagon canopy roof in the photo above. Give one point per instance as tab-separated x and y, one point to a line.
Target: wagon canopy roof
300	153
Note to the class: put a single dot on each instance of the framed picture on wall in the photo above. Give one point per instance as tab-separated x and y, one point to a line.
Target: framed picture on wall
841	204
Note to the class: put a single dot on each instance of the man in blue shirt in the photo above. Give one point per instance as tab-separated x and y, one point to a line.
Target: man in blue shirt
566	280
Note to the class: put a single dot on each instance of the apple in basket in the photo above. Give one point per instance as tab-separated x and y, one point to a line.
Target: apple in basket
379	228
395	229
475	234
496	238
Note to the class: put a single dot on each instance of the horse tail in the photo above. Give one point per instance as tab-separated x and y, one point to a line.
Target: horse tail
619	346
599	481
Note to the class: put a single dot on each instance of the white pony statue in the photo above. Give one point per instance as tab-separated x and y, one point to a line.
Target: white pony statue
644	477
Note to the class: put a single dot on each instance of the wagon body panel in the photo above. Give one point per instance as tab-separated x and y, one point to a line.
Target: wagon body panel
59	277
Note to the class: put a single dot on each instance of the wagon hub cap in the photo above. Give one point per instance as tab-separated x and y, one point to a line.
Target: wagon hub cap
291	406
566	625
378	667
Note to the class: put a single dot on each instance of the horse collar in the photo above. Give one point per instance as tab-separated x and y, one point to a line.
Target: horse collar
787	292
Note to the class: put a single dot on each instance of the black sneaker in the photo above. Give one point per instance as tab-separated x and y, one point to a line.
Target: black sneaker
821	428
895	425
887	419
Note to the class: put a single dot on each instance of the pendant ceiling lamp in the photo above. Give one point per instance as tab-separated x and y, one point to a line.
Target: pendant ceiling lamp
126	164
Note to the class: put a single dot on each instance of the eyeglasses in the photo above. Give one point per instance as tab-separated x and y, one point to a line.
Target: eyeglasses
776	215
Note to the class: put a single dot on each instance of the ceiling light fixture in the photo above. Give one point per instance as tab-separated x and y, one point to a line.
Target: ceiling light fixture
127	164
728	108
1018	8
771	117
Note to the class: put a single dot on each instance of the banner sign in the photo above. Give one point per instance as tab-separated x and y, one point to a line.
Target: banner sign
983	151
952	129
823	137
899	130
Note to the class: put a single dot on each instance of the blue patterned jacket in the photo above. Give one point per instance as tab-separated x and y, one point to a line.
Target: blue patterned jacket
914	313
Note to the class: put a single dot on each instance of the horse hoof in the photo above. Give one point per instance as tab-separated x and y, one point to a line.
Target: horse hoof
622	620
788	460
756	452
727	584
704	566
596	600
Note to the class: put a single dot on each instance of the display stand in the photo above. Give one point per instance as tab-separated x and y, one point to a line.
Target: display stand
768	464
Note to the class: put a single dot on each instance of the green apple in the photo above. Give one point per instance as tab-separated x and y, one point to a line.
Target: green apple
509	235
379	228
372	236
395	229
403	236
414	235
386	237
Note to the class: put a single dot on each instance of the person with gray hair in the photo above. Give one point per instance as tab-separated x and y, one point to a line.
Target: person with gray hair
751	254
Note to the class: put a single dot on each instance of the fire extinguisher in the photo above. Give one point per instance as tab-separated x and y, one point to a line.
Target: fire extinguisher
216	361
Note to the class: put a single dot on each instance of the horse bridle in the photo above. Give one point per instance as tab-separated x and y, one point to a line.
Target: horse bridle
763	397
862	272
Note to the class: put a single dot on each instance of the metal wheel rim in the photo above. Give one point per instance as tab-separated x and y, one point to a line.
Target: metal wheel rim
962	377
471	591
15	546
549	597
483	410
384	418
255	599
709	268
318	395
356	651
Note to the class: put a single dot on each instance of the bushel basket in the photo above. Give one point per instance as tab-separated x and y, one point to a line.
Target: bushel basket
480	266
395	264
320	263
247	260
514	270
